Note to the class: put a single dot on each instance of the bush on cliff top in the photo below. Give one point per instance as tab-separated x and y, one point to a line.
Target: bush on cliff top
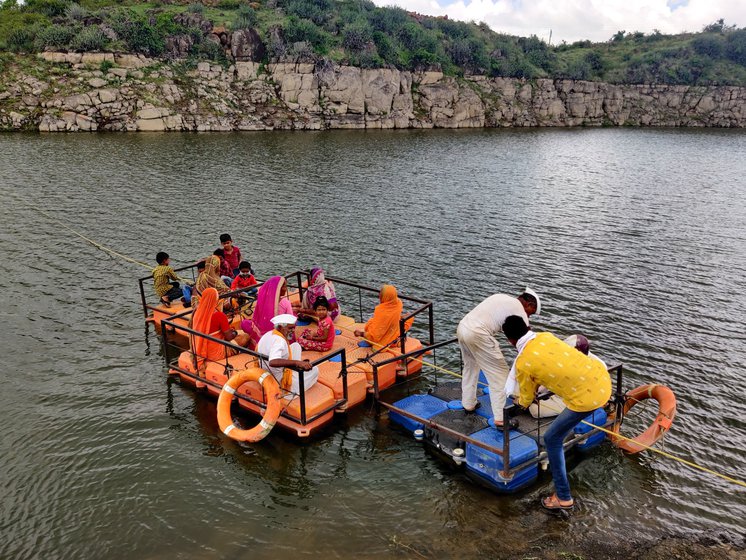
357	32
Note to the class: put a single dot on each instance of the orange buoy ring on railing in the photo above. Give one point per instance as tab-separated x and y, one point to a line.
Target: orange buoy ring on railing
271	414
662	423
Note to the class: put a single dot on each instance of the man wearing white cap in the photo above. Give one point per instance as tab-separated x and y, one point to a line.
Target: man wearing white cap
480	350
283	358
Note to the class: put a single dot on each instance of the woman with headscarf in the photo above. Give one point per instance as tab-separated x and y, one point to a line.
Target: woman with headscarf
271	301
382	328
317	287
209	278
209	319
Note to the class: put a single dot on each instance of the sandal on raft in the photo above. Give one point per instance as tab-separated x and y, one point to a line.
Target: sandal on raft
165	301
553	503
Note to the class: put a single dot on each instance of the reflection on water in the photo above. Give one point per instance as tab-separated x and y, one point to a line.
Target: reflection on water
633	237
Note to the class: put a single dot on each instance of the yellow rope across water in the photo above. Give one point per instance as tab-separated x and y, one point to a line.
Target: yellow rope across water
89	240
671	456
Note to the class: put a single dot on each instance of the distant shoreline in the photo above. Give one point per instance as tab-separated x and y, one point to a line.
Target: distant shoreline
69	92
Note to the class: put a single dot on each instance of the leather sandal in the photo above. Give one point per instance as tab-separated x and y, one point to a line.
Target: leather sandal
553	503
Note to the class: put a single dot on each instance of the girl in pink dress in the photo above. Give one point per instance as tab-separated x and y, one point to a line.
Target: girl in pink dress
323	339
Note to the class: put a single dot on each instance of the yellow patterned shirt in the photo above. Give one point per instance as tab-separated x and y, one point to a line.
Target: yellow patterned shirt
162	275
581	382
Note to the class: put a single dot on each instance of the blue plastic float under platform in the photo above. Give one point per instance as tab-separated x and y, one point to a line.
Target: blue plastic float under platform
423	406
598	418
487	465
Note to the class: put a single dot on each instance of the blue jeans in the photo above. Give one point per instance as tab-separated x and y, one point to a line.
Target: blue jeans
553	439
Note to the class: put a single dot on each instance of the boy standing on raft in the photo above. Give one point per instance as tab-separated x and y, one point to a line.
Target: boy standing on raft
582	382
480	350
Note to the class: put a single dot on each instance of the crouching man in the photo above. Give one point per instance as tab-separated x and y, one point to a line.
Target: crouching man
283	359
580	381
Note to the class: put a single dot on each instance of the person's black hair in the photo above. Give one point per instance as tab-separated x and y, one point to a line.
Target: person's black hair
219	252
514	327
161	257
225	237
321	300
244	264
528	298
201	265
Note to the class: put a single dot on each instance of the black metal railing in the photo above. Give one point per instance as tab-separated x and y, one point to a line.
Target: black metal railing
174	328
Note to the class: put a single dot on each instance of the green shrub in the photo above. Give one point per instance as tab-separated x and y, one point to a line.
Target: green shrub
138	34
211	51
708	45
196	8
357	35
75	12
245	19
89	39
21	39
735	46
229	4
54	37
105	66
386	48
48	8
298	30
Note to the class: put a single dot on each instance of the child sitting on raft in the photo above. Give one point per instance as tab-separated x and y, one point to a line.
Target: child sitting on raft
225	269
166	289
323	339
245	278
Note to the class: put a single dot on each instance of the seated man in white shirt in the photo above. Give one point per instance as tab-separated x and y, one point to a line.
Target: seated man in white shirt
283	359
552	405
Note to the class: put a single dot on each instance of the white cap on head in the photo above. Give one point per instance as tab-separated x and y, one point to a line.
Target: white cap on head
530	292
284	319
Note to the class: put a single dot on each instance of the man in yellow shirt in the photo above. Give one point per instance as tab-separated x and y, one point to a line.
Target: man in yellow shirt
580	381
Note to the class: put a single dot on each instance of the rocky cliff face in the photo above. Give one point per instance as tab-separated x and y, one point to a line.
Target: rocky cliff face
102	91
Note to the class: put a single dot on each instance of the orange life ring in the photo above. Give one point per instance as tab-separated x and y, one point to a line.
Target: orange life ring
271	414
662	423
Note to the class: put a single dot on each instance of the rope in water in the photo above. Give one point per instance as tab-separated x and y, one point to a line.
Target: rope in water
430	364
681	460
91	241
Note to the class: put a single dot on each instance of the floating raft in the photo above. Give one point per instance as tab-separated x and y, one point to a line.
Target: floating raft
502	459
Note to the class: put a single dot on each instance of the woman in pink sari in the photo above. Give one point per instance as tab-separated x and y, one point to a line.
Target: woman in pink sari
317	287
271	300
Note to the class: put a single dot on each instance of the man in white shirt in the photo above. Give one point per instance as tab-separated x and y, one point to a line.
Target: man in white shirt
283	358
480	350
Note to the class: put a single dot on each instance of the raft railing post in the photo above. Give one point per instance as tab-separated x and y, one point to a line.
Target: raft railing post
619	397
142	298
505	472
343	373
375	381
403	338
360	303
164	341
302	390
432	325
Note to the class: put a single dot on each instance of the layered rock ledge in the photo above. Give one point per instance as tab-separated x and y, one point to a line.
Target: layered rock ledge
67	92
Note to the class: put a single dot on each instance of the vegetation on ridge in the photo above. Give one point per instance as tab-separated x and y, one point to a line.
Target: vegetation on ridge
357	32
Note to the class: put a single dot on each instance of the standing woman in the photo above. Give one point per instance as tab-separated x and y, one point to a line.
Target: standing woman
382	328
319	286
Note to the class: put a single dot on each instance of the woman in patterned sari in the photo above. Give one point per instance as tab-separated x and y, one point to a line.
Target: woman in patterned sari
317	287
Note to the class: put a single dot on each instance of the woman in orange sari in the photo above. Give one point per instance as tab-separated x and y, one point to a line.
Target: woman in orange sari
209	319
382	328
